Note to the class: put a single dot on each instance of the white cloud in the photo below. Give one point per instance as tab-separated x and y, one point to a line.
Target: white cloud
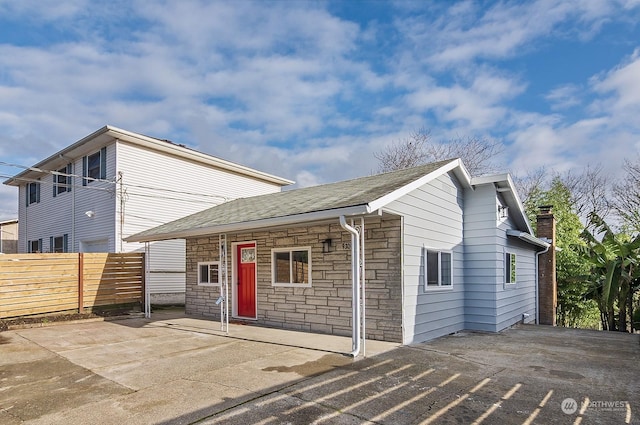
466	32
477	105
288	88
563	97
622	85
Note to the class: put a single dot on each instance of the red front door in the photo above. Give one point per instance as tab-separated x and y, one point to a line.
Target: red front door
246	261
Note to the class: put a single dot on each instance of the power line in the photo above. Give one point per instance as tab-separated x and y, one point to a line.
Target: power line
111	181
55	173
44	182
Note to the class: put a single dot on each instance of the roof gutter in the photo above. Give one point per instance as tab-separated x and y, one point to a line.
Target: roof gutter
152	143
528	238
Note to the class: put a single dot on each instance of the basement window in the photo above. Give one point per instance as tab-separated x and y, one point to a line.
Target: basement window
291	267
209	273
437	269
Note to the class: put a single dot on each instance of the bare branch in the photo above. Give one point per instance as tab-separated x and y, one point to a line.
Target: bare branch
529	184
588	191
476	153
627	195
404	153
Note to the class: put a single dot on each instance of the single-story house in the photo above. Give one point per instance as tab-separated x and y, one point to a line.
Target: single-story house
403	256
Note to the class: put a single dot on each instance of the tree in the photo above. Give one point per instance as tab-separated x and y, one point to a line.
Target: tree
574	306
478	154
627	196
589	190
614	272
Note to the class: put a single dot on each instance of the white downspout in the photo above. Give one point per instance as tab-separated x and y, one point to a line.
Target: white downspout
364	294
147	291
538	254
355	282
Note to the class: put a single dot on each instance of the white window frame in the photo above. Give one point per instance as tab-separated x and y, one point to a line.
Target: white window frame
274	251
510	268
208	264
425	271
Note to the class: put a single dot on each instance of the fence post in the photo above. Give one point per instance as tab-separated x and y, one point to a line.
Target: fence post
80	283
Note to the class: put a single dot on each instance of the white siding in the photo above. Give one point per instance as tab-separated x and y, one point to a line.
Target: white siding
433	219
156	188
161	188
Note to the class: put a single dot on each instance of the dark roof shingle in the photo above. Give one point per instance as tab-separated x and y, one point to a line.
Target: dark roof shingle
343	194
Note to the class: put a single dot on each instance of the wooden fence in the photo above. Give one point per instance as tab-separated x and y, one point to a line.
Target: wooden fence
47	283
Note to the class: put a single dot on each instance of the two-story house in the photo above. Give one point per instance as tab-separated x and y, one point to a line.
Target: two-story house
114	183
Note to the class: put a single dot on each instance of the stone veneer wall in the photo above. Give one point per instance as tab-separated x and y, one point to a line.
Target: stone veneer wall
326	306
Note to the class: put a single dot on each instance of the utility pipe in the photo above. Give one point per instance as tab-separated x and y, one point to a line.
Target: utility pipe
355	282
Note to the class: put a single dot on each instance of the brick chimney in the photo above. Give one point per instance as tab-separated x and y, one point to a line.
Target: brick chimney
547	286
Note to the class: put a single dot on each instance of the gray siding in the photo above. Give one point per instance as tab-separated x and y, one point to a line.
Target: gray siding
65	213
432	218
490	303
483	257
514	300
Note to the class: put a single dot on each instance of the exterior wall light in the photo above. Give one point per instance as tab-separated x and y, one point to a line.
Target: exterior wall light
326	246
503	211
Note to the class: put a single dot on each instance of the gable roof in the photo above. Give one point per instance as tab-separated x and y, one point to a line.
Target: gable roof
107	134
504	184
350	197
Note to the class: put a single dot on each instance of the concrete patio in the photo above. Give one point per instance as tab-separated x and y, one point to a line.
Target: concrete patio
179	370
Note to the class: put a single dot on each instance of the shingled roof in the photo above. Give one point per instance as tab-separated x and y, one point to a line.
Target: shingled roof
350	197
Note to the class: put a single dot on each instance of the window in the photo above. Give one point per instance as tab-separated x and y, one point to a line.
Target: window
94	166
33	193
437	268
291	266
209	273
59	243
62	182
510	268
34	246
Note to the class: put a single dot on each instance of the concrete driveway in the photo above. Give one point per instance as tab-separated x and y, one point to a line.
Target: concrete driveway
179	370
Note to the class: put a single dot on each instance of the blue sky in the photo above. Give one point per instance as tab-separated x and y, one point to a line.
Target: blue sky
309	90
